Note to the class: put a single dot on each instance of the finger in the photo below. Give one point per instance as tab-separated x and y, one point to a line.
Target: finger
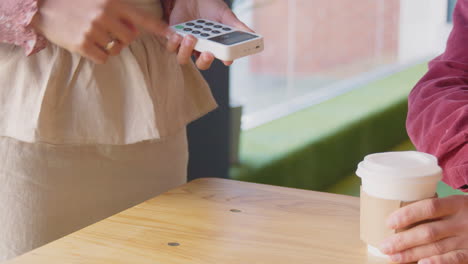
186	49
120	31
419	235
453	257
102	39
174	42
94	53
130	26
117	49
196	54
424	210
100	36
205	60
433	249
229	18
144	20
228	63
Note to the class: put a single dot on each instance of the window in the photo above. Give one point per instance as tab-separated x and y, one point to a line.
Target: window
315	50
451	7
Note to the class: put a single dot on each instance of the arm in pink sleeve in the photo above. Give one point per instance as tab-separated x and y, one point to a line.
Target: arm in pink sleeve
437	120
15	19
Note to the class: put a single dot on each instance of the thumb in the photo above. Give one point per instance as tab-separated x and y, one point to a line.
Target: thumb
229	18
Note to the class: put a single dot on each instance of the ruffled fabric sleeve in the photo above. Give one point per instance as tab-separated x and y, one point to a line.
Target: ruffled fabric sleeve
15	28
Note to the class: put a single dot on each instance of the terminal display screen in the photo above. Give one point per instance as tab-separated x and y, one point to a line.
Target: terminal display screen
233	38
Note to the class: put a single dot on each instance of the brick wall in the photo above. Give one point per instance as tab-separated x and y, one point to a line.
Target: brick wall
330	34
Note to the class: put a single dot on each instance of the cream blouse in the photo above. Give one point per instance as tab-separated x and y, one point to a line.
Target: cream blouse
59	97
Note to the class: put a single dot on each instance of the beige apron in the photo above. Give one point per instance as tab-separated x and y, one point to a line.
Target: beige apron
80	142
48	191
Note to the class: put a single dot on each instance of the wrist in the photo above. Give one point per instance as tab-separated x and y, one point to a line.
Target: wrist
34	24
168	7
37	17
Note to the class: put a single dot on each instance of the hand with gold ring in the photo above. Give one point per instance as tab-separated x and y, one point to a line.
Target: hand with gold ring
95	29
113	47
110	45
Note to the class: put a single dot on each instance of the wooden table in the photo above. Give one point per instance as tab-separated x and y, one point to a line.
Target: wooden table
215	221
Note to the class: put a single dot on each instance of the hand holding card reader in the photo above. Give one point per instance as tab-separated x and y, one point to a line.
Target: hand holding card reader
224	42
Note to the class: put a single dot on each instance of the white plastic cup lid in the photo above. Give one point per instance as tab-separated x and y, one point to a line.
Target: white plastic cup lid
405	166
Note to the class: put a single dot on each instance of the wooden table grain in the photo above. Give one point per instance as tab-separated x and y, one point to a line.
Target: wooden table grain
216	221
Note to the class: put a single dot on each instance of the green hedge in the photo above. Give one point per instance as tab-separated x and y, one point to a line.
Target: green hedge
320	146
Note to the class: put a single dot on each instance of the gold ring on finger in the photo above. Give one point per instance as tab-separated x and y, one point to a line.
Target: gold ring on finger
110	45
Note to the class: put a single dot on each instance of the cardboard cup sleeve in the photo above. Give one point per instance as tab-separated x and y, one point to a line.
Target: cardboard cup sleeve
374	213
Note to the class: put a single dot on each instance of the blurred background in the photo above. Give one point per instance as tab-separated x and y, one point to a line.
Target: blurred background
318	49
330	88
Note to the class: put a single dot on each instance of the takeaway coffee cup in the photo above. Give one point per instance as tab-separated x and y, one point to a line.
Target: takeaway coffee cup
389	181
